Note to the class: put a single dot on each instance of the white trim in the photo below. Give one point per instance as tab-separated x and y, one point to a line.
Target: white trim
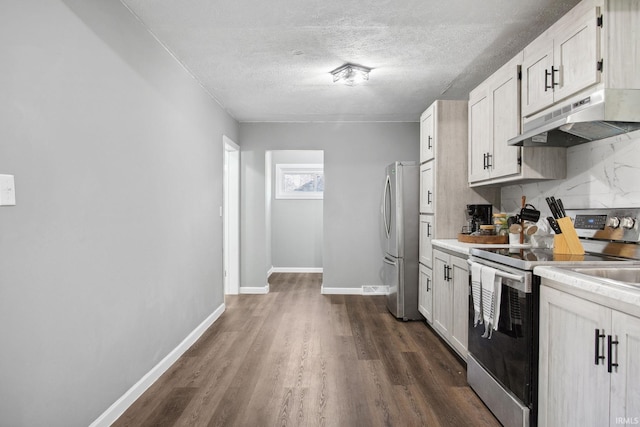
256	290
231	216
295	270
230	142
270	271
118	408
341	291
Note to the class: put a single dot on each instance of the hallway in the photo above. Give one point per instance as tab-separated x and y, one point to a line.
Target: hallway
298	358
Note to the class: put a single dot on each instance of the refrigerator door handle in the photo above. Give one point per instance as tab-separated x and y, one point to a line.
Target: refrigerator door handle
389	261
387	222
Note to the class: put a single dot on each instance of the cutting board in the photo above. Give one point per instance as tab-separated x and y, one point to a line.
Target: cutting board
496	240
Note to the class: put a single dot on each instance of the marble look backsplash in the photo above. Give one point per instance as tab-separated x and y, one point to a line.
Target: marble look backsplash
603	173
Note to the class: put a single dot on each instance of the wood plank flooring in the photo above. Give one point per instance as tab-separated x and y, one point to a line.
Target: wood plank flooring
295	357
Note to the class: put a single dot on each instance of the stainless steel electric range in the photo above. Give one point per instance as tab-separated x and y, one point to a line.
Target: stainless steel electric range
503	370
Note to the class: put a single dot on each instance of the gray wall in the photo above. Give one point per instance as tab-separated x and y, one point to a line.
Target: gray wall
296	225
355	155
113	254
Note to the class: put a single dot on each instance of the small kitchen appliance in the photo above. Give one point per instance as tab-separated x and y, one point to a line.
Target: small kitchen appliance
503	370
478	215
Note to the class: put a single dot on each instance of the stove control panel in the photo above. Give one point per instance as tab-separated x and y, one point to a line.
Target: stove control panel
612	224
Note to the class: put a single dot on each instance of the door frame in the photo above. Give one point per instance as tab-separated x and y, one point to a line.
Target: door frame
231	216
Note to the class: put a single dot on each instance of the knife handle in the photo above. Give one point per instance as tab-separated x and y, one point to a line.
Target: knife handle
561	206
552	206
554	225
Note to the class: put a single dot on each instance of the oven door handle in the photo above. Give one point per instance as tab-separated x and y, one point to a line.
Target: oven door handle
501	273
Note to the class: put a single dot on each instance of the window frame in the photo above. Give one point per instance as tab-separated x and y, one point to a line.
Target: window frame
282	169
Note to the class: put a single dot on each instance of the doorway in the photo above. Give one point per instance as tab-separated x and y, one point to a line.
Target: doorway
231	216
294	210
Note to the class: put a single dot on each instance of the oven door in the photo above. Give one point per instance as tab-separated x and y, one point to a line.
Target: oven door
508	356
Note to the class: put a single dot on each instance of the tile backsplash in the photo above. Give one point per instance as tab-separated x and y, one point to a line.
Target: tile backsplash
603	173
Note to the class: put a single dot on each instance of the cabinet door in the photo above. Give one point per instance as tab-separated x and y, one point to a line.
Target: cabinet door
573	390
426	187
426	236
536	76
625	379
442	294
427	141
460	305
480	134
576	54
505	97
425	290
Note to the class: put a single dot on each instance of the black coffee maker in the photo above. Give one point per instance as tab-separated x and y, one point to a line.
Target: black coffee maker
478	215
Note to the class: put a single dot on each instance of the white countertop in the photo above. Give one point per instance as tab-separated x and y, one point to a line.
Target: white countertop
460	247
600	291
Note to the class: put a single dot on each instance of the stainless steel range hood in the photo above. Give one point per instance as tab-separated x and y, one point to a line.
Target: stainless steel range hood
604	113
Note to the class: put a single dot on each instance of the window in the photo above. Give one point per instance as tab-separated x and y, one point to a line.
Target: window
299	181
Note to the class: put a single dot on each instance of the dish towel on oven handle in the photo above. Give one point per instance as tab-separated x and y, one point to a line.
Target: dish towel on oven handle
476	292
491	295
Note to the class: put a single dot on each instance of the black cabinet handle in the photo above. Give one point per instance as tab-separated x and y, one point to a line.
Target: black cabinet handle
447	273
484	161
610	343
428	282
428	229
553	77
551	74
429	193
429	146
597	347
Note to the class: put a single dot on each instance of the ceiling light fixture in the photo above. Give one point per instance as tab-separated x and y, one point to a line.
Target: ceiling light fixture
350	74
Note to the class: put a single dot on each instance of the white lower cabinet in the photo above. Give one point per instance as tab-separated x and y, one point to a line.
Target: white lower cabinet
451	299
425	293
625	383
580	342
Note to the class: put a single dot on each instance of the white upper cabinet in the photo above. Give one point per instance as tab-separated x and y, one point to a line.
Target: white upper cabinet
494	118
593	47
563	61
427	137
480	137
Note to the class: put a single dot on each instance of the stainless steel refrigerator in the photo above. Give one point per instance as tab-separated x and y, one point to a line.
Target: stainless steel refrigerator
400	238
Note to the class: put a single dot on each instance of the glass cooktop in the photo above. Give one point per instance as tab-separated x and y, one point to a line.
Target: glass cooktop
527	258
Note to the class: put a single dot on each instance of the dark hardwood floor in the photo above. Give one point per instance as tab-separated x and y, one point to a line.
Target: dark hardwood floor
295	357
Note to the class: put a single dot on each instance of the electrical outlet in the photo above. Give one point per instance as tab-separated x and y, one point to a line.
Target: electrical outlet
7	190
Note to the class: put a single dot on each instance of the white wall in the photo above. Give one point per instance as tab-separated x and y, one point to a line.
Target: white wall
296	225
601	173
355	155
113	253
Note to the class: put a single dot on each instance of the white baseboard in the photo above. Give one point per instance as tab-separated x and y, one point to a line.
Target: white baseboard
295	270
254	290
365	290
114	412
341	291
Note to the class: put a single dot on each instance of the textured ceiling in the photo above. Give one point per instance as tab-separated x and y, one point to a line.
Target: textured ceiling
270	60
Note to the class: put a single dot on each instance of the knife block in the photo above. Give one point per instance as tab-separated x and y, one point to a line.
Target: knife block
568	242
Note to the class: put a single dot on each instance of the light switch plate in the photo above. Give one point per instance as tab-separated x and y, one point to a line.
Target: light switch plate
7	190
